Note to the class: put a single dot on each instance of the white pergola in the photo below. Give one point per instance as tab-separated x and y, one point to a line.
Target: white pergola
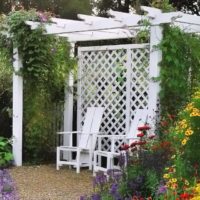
92	28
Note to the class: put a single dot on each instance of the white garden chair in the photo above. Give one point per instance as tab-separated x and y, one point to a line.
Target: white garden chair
85	147
140	118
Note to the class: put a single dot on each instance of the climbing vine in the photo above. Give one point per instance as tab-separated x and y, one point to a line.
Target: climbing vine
180	71
46	65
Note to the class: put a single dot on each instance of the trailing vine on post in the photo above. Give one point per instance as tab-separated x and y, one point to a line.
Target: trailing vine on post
46	65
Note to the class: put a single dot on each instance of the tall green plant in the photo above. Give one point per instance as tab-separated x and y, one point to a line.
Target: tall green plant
180	72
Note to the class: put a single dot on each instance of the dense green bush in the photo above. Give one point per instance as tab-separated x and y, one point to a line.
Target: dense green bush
180	72
5	89
46	65
5	152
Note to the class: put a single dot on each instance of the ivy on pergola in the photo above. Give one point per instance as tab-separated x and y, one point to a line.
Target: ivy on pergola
92	28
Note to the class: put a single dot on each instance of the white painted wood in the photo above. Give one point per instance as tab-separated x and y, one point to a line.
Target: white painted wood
189	19
89	117
155	58
99	35
128	89
151	12
127	18
84	150
166	18
68	106
82	27
89	19
93	26
187	28
113	47
99	70
140	118
17	109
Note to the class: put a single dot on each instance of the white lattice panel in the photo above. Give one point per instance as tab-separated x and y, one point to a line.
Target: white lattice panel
115	77
139	79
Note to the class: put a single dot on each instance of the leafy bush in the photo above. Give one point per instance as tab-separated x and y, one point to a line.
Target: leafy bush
46	65
179	68
5	152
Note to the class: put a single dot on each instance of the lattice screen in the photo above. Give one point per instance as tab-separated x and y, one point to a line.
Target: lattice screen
115	77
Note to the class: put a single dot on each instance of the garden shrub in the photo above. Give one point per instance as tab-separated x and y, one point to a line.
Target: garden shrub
179	68
183	171
141	169
46	65
5	152
5	89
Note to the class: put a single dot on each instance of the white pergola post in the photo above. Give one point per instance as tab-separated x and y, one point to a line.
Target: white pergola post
156	36
68	107
17	109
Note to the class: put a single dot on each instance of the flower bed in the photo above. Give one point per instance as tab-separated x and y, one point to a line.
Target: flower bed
160	169
7	186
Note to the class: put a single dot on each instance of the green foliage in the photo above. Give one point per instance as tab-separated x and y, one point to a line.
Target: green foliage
5	152
180	70
192	151
46	65
62	8
5	88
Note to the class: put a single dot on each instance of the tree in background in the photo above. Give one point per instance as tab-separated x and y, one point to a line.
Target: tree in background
189	6
61	8
102	6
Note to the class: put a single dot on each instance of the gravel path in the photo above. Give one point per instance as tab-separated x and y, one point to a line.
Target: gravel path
44	182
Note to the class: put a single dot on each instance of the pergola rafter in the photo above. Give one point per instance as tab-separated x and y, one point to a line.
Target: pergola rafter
89	28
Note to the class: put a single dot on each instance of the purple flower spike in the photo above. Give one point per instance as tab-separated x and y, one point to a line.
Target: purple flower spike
96	197
161	190
7	187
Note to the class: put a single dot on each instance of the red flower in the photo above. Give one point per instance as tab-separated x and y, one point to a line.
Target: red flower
133	143
140	135
144	128
141	142
171	116
164	123
124	147
185	196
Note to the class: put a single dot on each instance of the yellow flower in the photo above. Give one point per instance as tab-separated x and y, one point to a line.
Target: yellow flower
174	180
184	141
166	176
182	124
188	132
189	107
195	114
